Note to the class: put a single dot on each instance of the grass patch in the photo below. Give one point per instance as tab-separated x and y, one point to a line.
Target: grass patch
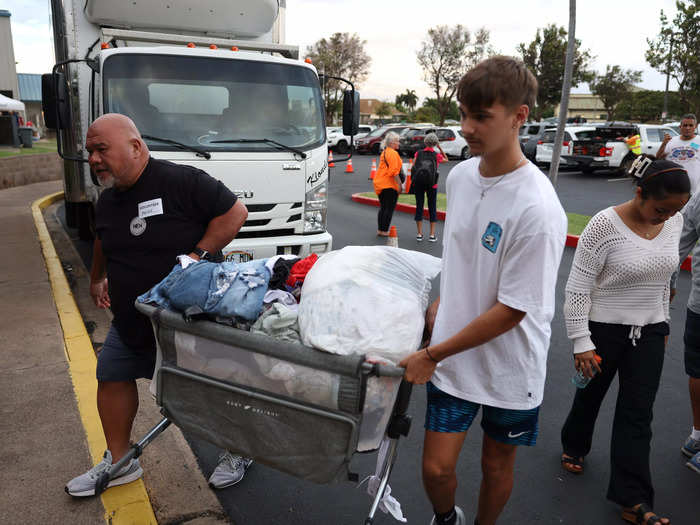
43	146
577	222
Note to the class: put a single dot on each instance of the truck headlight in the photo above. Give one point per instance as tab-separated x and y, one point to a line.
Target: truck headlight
315	208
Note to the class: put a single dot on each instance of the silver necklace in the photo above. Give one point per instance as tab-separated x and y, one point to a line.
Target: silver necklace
485	189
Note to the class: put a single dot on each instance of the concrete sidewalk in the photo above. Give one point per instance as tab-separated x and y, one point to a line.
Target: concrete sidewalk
50	428
42	435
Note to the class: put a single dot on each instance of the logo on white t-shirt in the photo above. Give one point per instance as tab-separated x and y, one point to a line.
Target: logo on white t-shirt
492	237
682	153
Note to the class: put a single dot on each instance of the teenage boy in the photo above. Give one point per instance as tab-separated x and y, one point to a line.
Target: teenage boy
503	241
684	149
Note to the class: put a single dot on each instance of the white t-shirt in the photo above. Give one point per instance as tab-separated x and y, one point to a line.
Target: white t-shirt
687	154
503	248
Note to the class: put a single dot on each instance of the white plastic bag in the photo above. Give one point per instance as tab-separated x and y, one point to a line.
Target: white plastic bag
367	300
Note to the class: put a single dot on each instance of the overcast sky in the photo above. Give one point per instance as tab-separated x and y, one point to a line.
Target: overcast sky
614	31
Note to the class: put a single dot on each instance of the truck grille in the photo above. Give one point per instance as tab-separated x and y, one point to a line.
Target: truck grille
267	220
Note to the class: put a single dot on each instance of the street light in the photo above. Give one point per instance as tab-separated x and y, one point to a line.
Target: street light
664	113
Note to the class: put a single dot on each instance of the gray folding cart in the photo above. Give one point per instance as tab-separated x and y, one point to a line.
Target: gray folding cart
290	407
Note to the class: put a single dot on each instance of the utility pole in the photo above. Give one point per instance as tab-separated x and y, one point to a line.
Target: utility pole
664	114
566	88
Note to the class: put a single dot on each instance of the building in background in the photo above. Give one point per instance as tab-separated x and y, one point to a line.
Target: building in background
368	108
8	72
586	105
30	94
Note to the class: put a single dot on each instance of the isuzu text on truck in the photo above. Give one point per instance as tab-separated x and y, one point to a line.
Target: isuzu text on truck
209	84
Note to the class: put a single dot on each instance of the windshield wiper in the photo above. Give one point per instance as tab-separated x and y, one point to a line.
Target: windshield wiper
257	141
180	145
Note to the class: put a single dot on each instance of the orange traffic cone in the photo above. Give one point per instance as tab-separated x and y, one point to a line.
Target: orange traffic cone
331	164
373	169
393	239
348	168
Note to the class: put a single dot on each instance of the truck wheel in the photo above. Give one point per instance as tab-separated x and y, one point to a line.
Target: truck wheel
465	153
342	147
86	221
625	165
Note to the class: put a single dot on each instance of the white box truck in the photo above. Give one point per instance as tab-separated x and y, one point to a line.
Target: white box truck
209	84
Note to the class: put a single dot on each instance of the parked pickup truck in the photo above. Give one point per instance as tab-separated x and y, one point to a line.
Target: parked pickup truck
604	146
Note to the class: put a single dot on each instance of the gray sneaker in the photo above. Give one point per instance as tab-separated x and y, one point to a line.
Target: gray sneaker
461	520
690	447
229	471
84	485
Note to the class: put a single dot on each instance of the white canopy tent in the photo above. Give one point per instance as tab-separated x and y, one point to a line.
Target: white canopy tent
10	104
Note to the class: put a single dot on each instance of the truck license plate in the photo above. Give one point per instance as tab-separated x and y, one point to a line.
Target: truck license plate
240	256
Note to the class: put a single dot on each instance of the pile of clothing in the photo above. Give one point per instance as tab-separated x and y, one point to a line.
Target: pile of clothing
261	295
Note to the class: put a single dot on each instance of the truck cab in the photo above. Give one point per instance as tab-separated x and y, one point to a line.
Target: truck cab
245	110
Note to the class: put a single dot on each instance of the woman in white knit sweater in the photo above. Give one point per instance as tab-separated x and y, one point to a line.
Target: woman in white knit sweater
617	300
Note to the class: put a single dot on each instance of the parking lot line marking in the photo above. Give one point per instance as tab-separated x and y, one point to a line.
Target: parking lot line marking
125	504
618	180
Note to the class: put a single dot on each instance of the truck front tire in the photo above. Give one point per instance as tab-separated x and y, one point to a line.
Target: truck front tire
342	147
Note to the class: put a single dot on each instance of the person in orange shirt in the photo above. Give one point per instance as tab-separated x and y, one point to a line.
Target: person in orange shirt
387	182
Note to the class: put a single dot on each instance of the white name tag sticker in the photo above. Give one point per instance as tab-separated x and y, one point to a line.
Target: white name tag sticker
150	208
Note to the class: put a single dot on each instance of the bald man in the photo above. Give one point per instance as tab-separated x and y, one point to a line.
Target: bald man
150	212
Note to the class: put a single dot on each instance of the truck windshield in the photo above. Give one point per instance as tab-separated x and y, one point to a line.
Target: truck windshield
199	100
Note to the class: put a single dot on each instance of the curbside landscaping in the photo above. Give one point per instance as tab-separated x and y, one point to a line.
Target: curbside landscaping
571	240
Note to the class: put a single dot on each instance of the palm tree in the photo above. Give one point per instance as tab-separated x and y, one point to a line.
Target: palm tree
410	99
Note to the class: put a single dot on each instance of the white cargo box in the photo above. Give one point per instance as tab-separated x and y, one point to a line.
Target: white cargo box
230	18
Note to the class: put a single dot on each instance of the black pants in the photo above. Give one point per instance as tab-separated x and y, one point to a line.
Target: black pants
387	203
639	370
420	192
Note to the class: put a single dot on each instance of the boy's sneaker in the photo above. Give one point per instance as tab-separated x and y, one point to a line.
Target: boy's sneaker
419	237
84	485
460	519
694	463
432	238
229	471
690	447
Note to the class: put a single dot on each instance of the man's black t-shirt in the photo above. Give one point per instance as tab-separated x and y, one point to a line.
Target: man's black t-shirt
143	228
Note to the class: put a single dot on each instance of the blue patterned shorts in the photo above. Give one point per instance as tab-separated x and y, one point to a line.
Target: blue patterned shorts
447	413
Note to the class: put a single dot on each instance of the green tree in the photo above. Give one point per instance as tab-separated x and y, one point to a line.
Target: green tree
407	100
452	110
614	86
384	109
445	55
342	55
426	114
647	106
545	56
678	46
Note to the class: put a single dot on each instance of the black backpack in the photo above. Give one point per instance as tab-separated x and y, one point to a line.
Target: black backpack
424	173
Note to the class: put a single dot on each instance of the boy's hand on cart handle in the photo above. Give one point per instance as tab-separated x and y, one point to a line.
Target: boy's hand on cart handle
419	367
586	362
99	291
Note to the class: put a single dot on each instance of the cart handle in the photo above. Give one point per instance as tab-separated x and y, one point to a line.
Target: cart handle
382	370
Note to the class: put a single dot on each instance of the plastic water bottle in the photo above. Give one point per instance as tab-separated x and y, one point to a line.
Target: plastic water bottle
580	380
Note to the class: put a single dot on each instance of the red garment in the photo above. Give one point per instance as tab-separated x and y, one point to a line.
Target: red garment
300	269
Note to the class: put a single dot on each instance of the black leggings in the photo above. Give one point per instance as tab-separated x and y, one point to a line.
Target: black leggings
639	370
387	203
420	192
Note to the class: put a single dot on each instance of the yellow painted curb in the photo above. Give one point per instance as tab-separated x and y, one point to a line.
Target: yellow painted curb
127	504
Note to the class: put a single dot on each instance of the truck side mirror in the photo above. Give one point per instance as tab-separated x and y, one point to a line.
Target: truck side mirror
54	101
351	112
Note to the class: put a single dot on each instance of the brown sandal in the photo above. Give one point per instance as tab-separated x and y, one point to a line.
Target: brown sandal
636	515
572	464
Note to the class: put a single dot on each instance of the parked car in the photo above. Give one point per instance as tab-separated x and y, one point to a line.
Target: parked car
529	135
371	142
604	146
545	146
341	143
453	142
412	140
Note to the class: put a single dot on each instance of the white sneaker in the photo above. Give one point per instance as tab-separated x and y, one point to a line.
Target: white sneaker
84	485
229	471
461	520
